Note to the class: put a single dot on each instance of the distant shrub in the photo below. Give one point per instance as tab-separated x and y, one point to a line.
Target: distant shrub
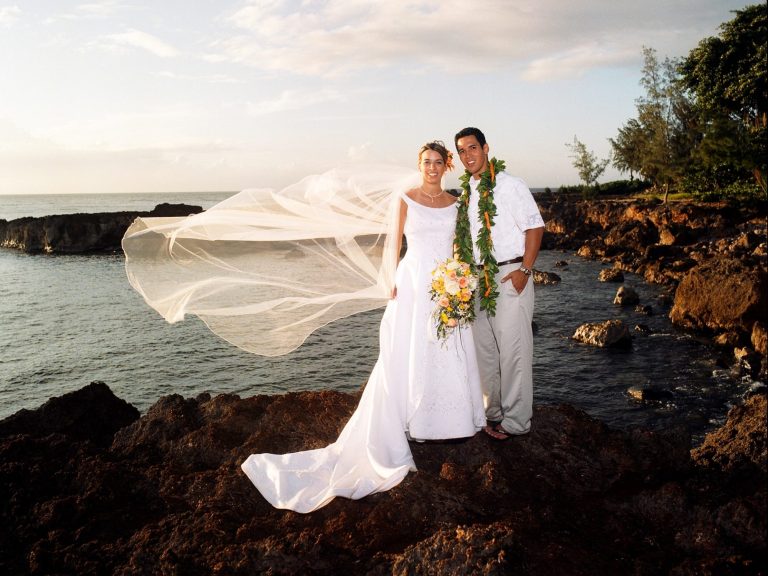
623	187
571	189
705	190
744	190
614	188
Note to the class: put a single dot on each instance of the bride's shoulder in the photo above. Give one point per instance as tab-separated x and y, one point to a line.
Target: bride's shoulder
409	196
411	193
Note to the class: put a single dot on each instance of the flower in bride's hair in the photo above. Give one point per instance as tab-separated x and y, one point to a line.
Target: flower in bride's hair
452	291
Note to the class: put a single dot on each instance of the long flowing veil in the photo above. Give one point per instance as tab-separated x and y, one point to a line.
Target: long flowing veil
264	269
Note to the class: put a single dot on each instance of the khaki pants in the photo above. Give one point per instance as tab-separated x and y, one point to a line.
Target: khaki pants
504	345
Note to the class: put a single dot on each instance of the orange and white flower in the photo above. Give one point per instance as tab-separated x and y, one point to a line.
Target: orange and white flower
452	290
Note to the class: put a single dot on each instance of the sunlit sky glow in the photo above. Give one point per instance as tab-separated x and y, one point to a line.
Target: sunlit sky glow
172	95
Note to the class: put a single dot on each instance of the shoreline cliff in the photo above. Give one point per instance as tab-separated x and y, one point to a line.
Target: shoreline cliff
78	233
87	486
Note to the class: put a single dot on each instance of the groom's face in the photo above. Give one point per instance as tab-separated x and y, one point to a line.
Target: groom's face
472	155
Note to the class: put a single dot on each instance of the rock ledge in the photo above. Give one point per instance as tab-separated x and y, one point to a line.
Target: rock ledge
163	494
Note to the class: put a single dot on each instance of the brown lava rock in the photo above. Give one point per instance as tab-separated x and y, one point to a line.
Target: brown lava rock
164	494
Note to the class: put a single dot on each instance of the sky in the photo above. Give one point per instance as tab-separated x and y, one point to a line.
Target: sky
107	96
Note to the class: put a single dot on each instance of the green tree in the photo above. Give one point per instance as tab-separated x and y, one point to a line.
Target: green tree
586	163
658	143
728	76
628	148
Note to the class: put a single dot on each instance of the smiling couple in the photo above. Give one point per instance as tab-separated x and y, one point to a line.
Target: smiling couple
425	388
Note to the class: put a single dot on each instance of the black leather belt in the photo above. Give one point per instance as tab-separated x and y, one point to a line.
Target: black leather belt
513	261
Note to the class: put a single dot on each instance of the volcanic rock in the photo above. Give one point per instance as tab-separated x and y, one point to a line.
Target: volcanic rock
545	278
721	294
626	296
611	333
649	393
571	497
78	233
611	275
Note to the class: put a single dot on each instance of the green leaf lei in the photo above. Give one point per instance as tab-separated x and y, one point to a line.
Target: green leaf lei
462	243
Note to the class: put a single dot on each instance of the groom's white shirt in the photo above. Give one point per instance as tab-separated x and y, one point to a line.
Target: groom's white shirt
516	212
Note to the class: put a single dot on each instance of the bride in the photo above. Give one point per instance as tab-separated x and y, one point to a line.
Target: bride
421	387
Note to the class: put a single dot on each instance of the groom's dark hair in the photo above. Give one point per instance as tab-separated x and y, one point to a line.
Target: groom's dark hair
469	132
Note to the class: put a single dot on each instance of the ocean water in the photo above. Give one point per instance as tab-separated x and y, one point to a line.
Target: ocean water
19	205
68	320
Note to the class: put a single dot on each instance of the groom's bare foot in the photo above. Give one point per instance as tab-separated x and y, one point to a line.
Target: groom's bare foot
497	432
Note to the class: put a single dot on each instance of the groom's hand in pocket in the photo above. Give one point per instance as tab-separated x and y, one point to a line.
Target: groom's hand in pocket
518	280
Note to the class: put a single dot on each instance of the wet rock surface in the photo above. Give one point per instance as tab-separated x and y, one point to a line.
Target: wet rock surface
611	275
722	294
607	334
713	258
164	494
79	233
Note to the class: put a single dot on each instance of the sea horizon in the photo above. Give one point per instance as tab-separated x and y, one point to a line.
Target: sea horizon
14	206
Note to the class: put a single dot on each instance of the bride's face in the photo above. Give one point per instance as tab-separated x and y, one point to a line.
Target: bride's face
432	167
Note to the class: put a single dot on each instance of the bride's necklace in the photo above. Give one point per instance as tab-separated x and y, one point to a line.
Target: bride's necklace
431	197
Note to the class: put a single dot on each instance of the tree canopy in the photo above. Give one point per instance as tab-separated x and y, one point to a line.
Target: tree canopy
702	121
728	77
586	162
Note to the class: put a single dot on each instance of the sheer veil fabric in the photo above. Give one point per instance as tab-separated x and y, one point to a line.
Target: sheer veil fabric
264	269
420	386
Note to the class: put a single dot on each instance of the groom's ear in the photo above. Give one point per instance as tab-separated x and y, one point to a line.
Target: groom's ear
486	148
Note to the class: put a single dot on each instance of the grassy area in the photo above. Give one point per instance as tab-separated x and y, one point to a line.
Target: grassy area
651	194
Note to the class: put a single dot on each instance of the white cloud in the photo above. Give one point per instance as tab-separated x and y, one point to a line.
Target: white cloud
575	62
98	9
208	79
9	15
293	100
138	39
338	36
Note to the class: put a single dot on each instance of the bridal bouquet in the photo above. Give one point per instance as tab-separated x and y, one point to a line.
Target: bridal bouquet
453	285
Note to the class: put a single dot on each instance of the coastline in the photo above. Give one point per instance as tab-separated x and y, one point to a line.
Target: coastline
691	252
79	233
712	260
91	486
88	486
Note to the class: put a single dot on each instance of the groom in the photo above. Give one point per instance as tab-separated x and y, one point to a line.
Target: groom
499	225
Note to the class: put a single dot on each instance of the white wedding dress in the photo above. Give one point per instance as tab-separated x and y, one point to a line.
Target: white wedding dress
419	386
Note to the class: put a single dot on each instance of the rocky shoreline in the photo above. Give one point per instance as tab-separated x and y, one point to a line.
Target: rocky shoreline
78	233
712	258
87	486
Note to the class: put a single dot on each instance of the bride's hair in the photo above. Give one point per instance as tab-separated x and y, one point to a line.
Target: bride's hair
439	147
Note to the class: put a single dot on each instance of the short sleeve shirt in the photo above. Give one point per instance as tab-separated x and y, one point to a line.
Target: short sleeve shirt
516	212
